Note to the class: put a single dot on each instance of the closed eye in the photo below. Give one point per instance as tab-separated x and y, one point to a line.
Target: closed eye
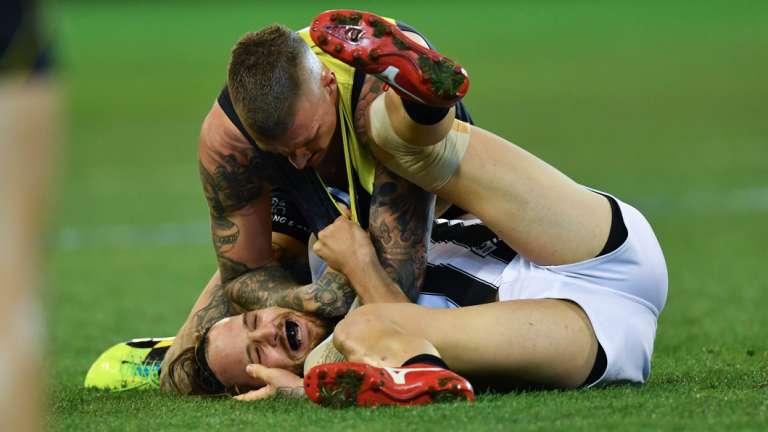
251	349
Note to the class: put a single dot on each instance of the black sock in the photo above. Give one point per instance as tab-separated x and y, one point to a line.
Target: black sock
424	114
427	359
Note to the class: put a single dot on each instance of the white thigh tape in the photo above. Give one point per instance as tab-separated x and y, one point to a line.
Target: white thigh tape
430	167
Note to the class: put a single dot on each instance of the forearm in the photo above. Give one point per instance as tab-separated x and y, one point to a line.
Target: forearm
373	285
400	213
272	285
400	223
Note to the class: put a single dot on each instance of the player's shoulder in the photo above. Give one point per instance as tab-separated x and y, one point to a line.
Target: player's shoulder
218	135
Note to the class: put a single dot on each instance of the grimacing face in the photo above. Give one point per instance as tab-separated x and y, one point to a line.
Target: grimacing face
307	141
274	337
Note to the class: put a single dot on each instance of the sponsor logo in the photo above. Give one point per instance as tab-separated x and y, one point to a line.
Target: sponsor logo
398	374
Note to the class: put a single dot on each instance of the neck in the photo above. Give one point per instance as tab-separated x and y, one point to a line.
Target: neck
332	169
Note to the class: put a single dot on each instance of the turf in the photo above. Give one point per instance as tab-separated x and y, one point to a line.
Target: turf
661	103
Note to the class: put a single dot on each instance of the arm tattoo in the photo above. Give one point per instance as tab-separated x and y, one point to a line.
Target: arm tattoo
400	214
269	285
217	308
231	269
233	184
225	234
372	88
330	296
400	223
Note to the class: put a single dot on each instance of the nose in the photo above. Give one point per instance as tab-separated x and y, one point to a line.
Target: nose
300	157
266	333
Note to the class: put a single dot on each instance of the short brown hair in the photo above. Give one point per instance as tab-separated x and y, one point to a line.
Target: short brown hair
264	79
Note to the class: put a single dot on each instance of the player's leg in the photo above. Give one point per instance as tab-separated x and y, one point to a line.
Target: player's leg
548	343
537	210
27	148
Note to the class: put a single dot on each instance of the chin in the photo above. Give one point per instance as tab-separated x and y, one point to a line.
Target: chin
316	160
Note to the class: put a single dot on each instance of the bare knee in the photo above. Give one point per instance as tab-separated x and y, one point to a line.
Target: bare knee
371	335
356	333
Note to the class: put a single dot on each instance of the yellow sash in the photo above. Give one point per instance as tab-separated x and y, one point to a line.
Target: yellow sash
358	160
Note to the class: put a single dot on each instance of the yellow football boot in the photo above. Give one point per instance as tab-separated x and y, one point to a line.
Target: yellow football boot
134	364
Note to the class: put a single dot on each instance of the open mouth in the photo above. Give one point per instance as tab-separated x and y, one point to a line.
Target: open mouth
292	335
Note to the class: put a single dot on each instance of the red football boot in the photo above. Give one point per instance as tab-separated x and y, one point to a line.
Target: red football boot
340	385
375	45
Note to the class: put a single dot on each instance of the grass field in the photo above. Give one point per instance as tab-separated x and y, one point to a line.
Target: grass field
661	103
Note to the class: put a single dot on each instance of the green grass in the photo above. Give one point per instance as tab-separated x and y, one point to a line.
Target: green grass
663	104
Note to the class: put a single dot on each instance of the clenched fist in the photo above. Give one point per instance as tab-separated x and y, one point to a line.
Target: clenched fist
345	246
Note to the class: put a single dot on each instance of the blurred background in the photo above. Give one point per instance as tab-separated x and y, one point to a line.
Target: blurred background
660	103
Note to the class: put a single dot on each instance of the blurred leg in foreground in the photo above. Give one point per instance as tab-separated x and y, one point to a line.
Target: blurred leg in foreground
27	136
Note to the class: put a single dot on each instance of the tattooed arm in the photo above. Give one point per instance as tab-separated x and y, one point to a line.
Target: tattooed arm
254	272
387	264
400	214
281	284
239	199
400	225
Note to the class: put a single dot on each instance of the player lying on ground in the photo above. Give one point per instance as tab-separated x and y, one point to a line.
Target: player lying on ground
182	372
593	261
556	326
285	88
585	323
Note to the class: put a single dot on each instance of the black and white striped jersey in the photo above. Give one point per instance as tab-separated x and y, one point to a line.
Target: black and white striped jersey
465	263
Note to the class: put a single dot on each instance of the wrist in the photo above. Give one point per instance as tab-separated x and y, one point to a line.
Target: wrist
360	269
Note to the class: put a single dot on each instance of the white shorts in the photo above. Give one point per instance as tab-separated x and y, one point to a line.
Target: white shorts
622	293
